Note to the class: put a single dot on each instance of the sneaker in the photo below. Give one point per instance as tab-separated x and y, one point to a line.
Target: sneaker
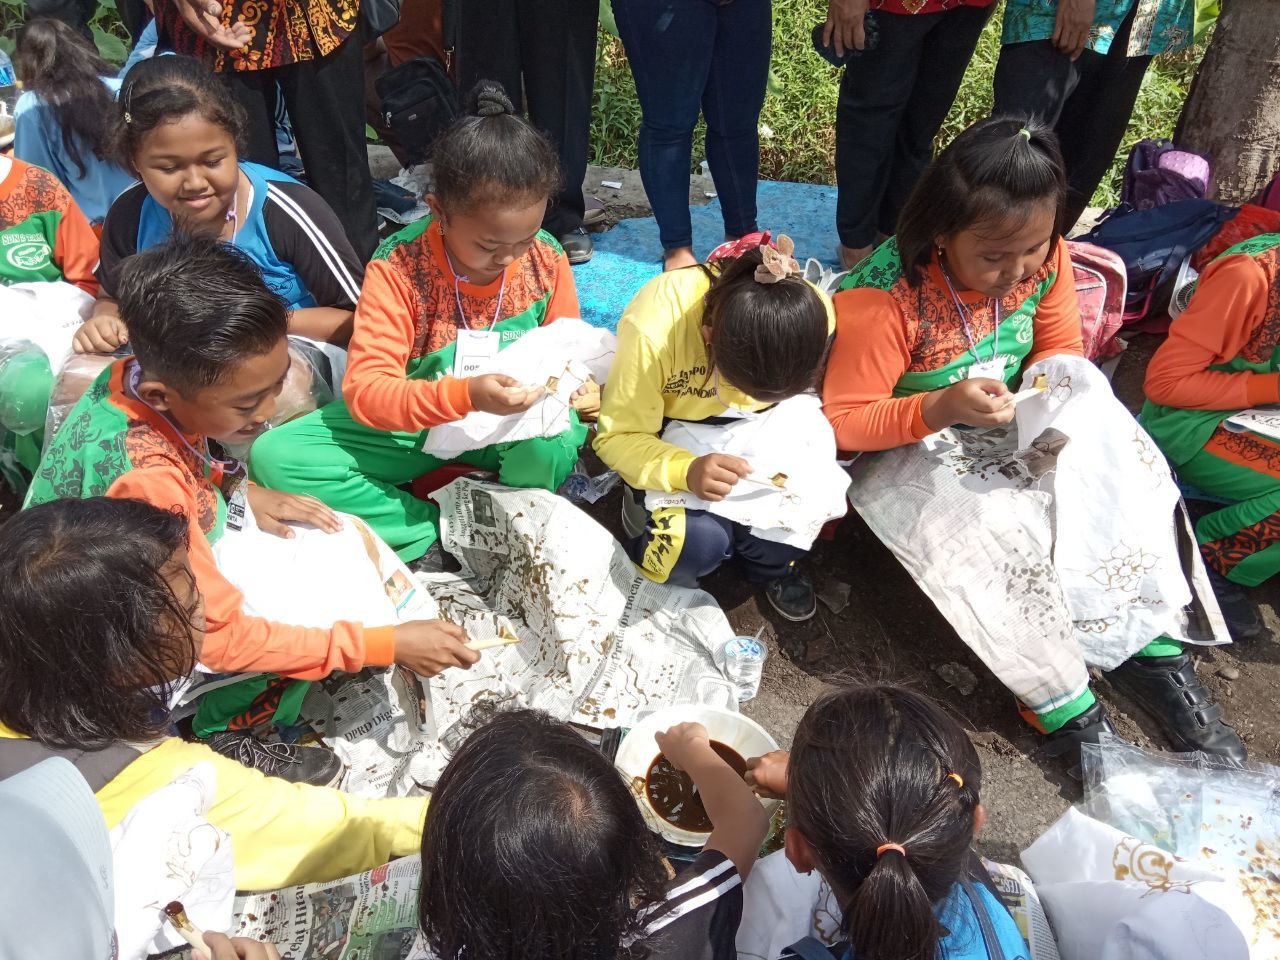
792	596
1169	690
435	560
1066	741
1242	619
577	246
312	765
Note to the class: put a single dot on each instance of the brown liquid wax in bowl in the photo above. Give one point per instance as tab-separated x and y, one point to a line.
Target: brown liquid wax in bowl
671	793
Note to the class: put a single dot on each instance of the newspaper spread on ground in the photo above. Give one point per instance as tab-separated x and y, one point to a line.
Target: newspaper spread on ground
599	644
1047	544
1019	896
370	916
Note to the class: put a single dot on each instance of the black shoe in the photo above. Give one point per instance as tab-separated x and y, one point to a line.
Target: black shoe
577	246
1169	690
435	560
1067	740
1242	620
313	765
792	596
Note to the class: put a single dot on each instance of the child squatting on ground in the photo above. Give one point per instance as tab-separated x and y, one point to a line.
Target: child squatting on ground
708	344
444	293
210	356
934	326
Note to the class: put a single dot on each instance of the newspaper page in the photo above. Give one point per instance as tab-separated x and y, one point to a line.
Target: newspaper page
599	644
370	916
1018	894
1047	543
1261	420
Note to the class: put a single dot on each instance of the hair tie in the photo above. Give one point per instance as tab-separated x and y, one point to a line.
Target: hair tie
958	779
1024	132
886	847
777	264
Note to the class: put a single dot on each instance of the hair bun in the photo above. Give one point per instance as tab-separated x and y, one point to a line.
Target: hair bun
488	99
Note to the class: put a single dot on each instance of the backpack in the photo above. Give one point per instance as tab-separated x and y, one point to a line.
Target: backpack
1158	173
1101	284
418	103
1270	196
1153	245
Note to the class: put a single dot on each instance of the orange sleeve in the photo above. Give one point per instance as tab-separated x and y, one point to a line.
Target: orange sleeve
75	249
868	357
1057	324
376	389
235	642
564	298
1229	304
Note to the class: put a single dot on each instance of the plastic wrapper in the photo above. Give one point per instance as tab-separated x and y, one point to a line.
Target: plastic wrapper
25	381
305	389
80	370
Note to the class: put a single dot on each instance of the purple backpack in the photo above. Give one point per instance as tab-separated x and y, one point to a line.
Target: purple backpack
1158	173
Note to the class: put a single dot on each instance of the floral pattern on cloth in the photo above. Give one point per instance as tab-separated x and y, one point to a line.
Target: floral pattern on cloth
283	32
1159	26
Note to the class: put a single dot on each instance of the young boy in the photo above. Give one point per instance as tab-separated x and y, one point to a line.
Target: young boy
211	356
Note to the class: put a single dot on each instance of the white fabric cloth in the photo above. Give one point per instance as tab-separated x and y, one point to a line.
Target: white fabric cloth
793	438
570	350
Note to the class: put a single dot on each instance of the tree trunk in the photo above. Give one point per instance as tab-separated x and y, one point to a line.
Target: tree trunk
1232	114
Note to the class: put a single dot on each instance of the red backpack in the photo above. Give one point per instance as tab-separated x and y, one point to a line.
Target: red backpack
1101	286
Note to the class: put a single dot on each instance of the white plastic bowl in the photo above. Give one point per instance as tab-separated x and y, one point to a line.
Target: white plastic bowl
639	749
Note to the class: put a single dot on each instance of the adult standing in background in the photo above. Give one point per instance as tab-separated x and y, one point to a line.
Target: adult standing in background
1078	66
311	49
691	56
543	52
894	95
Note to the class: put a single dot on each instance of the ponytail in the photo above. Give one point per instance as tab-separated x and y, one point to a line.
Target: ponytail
60	66
1000	170
883	786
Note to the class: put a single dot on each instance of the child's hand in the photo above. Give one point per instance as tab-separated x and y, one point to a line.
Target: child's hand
239	948
101	333
586	400
683	742
713	475
767	775
428	647
981	402
502	395
275	510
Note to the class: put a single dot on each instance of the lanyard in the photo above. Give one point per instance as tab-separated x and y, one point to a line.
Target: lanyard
230	467
964	319
457	294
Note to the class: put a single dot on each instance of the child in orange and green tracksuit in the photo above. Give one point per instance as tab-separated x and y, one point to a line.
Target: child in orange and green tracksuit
439	296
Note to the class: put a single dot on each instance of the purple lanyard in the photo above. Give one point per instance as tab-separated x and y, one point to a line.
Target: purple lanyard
230	467
964	319
462	321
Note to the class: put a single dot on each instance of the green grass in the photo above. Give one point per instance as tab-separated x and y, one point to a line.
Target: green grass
801	107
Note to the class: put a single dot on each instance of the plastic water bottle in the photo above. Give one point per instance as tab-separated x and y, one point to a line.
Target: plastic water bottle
744	665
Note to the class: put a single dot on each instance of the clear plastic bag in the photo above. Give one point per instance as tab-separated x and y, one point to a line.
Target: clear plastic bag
305	390
25	381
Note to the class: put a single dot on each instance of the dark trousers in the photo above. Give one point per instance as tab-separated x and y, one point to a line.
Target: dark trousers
543	52
325	100
691	56
893	100
680	547
1088	102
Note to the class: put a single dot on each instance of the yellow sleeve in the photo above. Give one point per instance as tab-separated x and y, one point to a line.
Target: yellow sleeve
631	413
281	833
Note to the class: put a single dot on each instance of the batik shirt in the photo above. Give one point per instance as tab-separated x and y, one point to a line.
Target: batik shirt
1159	26
43	234
284	31
896	342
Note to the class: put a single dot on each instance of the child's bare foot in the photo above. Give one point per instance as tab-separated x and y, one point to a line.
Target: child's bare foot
678	257
850	257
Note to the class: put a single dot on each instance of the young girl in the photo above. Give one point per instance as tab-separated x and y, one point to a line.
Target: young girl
708	344
180	130
1222	357
475	276
99	618
976	288
882	791
63	118
534	849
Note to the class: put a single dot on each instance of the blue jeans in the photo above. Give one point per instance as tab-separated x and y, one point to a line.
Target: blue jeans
691	56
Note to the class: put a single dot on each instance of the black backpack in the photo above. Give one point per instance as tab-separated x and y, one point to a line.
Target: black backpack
418	103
